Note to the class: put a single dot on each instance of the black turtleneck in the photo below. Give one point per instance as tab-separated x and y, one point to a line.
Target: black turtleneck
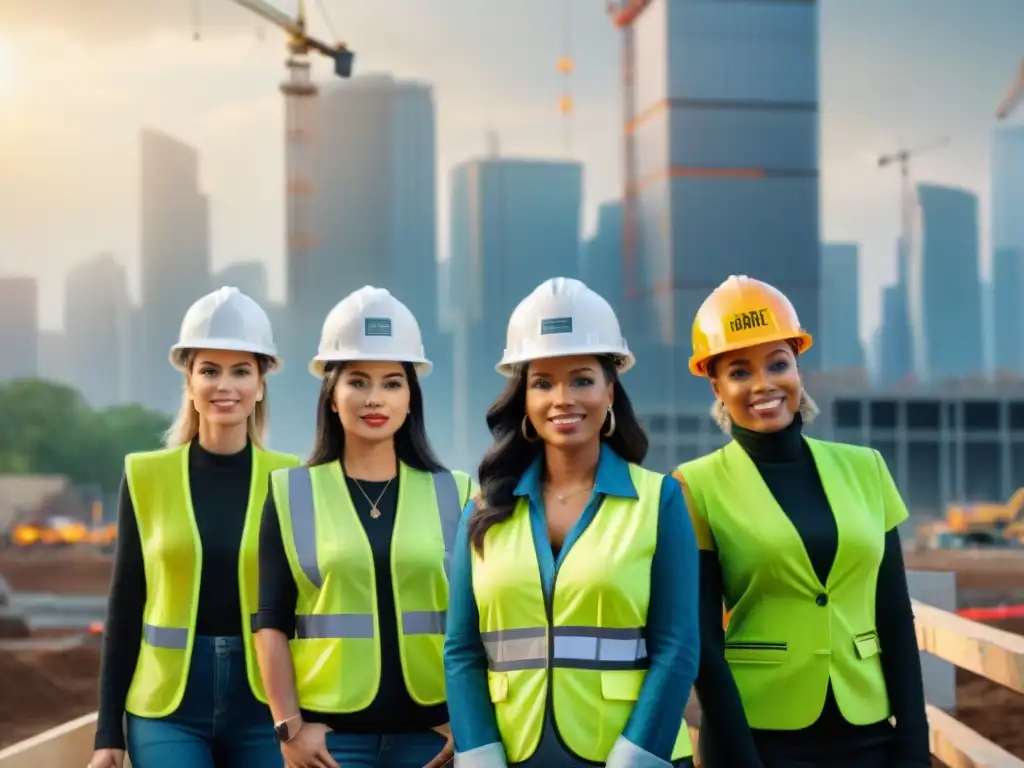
787	468
220	497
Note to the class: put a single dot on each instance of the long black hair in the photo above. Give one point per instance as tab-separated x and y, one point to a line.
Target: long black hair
511	453
411	443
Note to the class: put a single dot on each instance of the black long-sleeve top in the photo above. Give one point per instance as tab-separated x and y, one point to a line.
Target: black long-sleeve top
787	467
219	485
393	710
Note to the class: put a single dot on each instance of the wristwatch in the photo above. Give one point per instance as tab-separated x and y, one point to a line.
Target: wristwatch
284	731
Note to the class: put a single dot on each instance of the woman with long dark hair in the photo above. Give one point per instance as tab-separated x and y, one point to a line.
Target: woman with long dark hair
354	553
572	626
799	540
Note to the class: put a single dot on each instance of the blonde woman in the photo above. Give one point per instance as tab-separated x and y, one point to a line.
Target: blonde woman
178	654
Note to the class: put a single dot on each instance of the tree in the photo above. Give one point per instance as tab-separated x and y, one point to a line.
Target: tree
49	429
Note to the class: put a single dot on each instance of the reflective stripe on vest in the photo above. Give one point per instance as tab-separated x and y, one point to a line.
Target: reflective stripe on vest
574	648
788	635
590	651
172	552
319	624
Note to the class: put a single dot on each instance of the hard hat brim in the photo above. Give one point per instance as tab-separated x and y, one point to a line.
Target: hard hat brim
422	366
508	365
699	363
179	352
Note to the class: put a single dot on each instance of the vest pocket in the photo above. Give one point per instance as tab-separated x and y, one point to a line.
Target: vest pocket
497	685
737	652
622	684
866	644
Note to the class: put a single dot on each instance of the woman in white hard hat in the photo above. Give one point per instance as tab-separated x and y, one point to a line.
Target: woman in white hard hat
799	540
354	554
572	629
178	652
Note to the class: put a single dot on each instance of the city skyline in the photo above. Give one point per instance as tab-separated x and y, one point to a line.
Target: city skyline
863	209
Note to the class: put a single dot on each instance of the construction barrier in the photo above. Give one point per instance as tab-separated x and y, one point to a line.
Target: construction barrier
995	613
983	650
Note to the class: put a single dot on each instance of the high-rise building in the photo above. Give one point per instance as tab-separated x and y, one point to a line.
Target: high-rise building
514	224
175	259
97	321
944	285
374	222
601	255
841	348
250	277
723	111
19	328
1008	249
53	358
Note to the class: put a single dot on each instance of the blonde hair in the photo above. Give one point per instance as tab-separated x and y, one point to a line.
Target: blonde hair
186	424
808	412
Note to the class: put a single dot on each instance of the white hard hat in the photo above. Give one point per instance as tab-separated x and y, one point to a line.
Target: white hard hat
563	317
370	324
226	319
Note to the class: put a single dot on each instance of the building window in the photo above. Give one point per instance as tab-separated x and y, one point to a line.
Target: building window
923	414
1017	418
1017	464
846	414
888	450
687	424
883	414
924	495
658	425
982	473
981	415
685	452
952	417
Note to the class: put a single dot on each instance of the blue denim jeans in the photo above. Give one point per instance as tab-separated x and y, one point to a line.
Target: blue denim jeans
219	723
374	750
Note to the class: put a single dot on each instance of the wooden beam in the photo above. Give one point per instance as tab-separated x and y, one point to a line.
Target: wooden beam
978	648
958	746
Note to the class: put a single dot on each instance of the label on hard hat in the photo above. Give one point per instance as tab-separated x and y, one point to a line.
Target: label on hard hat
377	326
556	325
749	321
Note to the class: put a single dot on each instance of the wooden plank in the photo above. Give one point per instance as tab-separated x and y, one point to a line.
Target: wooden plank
69	744
958	746
978	648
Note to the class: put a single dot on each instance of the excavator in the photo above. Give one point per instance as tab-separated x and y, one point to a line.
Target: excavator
987	524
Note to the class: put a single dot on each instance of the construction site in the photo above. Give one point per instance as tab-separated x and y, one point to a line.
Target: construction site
54	574
57	541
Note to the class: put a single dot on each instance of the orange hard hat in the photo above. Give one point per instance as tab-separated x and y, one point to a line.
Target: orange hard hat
743	312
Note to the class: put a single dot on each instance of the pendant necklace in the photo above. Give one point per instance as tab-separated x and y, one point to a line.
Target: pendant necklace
374	510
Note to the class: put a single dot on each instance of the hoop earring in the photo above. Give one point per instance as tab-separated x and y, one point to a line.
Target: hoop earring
611	426
526	434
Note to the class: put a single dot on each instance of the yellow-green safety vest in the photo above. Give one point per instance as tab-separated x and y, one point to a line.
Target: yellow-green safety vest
336	651
588	659
789	634
172	553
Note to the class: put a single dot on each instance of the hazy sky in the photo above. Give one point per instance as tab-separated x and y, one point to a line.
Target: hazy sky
79	79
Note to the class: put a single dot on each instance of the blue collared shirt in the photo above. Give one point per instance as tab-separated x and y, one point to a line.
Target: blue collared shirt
672	632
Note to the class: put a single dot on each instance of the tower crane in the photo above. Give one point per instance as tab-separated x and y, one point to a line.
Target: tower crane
901	158
300	126
565	67
622	14
1013	96
299	41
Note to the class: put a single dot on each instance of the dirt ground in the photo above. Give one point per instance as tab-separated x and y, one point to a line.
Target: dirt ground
43	689
70	572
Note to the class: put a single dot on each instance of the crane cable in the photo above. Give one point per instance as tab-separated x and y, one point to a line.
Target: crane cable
322	6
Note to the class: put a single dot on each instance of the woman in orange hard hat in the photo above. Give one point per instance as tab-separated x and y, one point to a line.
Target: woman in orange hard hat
798	539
